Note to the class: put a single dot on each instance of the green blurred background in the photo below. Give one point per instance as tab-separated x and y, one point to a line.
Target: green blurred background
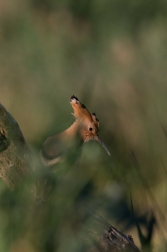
112	55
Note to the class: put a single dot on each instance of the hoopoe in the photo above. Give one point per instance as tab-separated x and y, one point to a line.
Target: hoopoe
84	129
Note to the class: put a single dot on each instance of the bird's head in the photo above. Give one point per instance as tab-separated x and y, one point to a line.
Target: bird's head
87	123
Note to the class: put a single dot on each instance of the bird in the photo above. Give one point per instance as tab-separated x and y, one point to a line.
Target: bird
84	129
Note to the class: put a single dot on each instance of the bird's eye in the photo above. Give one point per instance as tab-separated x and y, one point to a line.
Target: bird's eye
90	129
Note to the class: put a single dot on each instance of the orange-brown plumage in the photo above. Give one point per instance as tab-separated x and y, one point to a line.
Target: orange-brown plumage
85	128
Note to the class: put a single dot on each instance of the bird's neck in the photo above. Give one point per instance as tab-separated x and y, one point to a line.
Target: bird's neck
73	132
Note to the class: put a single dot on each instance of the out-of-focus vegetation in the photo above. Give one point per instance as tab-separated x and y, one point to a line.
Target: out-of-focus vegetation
113	56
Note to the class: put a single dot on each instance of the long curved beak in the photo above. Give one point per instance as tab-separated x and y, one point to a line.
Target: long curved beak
97	138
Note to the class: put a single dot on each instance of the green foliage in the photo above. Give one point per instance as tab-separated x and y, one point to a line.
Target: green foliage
113	56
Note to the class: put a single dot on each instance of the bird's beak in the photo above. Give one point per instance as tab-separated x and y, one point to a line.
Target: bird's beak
97	138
